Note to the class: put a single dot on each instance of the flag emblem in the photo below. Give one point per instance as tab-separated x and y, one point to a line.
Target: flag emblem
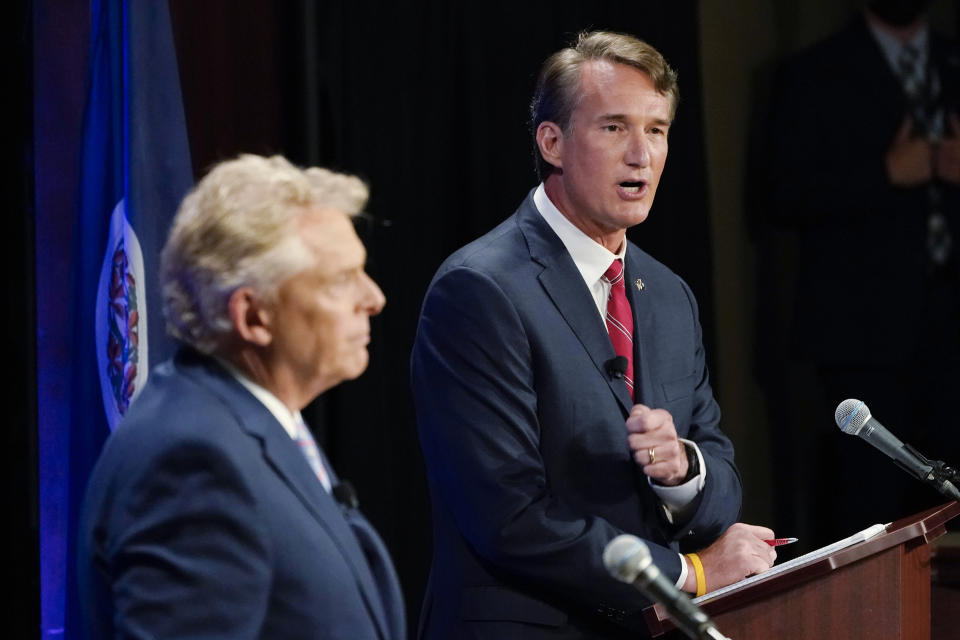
121	333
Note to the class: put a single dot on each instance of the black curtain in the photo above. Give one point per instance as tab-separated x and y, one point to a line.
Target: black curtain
428	102
19	349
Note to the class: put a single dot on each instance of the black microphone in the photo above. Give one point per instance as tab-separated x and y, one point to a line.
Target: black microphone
628	559
616	367
853	417
345	494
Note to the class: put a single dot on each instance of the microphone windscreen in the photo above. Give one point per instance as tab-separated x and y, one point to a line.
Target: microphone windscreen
851	415
345	494
625	557
616	366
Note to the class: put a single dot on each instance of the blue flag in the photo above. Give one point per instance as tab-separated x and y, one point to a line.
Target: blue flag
135	169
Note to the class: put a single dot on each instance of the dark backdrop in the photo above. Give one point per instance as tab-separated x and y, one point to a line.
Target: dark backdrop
19	440
428	102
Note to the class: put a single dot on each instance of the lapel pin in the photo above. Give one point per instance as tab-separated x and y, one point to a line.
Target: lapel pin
639	284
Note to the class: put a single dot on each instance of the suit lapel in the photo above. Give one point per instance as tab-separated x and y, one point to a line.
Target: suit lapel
642	319
284	457
289	463
565	286
879	83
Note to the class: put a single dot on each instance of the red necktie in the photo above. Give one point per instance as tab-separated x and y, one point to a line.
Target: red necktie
620	319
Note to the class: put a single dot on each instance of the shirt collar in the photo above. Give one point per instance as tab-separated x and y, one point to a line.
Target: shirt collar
591	258
272	403
891	46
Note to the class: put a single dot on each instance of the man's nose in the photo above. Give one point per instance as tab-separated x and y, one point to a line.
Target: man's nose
373	299
638	151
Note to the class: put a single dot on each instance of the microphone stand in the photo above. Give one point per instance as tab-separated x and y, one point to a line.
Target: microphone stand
940	476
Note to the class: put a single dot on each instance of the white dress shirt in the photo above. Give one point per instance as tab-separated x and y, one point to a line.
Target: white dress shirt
287	419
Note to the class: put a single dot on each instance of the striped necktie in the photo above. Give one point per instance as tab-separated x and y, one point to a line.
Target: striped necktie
620	319
912	75
310	451
921	84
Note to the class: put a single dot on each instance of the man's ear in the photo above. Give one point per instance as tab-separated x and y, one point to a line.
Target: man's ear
550	141
251	320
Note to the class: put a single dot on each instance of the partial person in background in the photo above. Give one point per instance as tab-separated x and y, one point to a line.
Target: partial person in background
561	386
211	512
865	167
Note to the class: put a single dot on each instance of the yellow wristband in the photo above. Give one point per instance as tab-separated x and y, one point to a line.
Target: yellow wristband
698	570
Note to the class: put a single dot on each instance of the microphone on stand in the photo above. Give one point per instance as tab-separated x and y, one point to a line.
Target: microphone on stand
628	559
854	418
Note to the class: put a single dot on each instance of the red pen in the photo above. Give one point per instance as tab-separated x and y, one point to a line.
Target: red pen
777	542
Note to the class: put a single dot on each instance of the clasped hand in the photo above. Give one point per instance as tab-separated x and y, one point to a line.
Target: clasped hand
912	161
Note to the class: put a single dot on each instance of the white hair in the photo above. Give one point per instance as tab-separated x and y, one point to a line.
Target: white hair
236	228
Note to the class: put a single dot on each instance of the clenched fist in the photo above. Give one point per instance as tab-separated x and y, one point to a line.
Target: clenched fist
653	439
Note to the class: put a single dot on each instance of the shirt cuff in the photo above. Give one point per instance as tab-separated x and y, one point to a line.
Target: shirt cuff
683	573
675	499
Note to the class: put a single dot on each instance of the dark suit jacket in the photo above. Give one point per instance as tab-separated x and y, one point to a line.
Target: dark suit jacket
203	519
862	273
523	435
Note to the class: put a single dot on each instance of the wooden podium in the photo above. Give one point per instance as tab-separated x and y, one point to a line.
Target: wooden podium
878	589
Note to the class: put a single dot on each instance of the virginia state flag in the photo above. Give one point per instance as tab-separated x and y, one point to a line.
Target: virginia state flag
135	170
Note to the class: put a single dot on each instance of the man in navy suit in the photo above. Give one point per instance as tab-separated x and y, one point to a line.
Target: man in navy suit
541	444
211	512
865	170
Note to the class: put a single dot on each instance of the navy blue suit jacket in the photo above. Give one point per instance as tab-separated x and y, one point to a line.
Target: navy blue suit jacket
863	271
523	435
203	519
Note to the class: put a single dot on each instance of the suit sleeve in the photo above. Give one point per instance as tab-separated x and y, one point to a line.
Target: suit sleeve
186	555
718	503
476	404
